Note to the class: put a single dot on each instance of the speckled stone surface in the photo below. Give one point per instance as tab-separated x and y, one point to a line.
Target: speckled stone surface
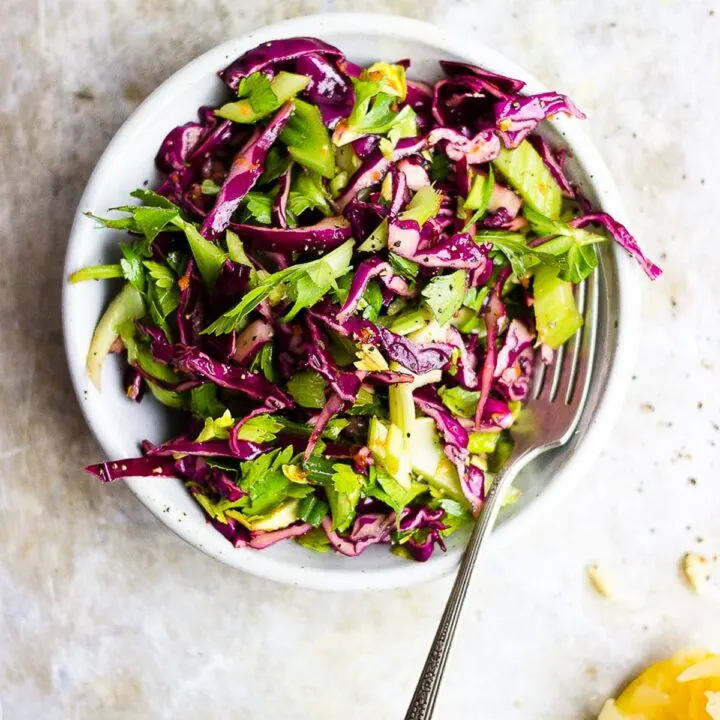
105	614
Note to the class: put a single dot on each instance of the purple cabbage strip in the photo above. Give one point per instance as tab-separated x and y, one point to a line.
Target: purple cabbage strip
517	117
251	339
466	374
415	173
494	311
376	166
161	349
333	406
400	194
459	252
326	235
345	384
554	161
622	237
177	146
419	98
427	399
196	469
134	384
366	271
513	370
260	540
272	54
133	467
211	448
369	529
364	217
232	531
365	145
190	311
329	89
279	206
496	416
500	86
418	359
245	171
190	360
481	148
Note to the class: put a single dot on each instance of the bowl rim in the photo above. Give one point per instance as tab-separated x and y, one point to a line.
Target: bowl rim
609	199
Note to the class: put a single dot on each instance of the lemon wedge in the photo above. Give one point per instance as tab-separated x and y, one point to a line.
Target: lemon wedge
684	687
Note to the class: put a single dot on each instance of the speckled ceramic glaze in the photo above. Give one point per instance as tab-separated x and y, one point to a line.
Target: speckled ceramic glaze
119	425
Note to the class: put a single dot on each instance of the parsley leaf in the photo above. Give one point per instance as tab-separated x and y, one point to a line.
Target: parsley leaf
403	266
276	163
257	206
262	428
459	401
257	89
444	295
209	257
204	401
440	168
346	480
132	266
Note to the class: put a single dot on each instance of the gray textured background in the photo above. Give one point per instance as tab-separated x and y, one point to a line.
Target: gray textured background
105	614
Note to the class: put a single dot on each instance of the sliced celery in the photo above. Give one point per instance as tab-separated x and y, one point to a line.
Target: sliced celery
127	306
527	173
395	449
475	196
556	314
377	239
377	439
315	153
410	321
482	442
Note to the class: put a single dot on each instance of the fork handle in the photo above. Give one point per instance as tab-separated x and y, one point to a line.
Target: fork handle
426	692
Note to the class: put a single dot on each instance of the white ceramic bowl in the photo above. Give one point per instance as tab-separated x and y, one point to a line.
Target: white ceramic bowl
119	425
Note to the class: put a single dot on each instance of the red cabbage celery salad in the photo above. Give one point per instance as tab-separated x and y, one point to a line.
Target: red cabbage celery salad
343	283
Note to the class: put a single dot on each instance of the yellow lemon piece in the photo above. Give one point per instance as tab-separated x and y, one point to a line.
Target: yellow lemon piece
684	687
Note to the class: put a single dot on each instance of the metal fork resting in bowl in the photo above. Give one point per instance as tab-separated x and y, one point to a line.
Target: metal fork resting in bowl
548	421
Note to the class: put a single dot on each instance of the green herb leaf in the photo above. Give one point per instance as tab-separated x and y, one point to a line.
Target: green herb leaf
209	257
169	398
308	389
204	401
488	187
444	295
459	401
262	428
216	428
256	87
132	266
346	480
312	510
371	301
402	266
440	167
276	163
163	276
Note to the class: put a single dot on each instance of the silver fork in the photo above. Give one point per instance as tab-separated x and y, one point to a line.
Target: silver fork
551	416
